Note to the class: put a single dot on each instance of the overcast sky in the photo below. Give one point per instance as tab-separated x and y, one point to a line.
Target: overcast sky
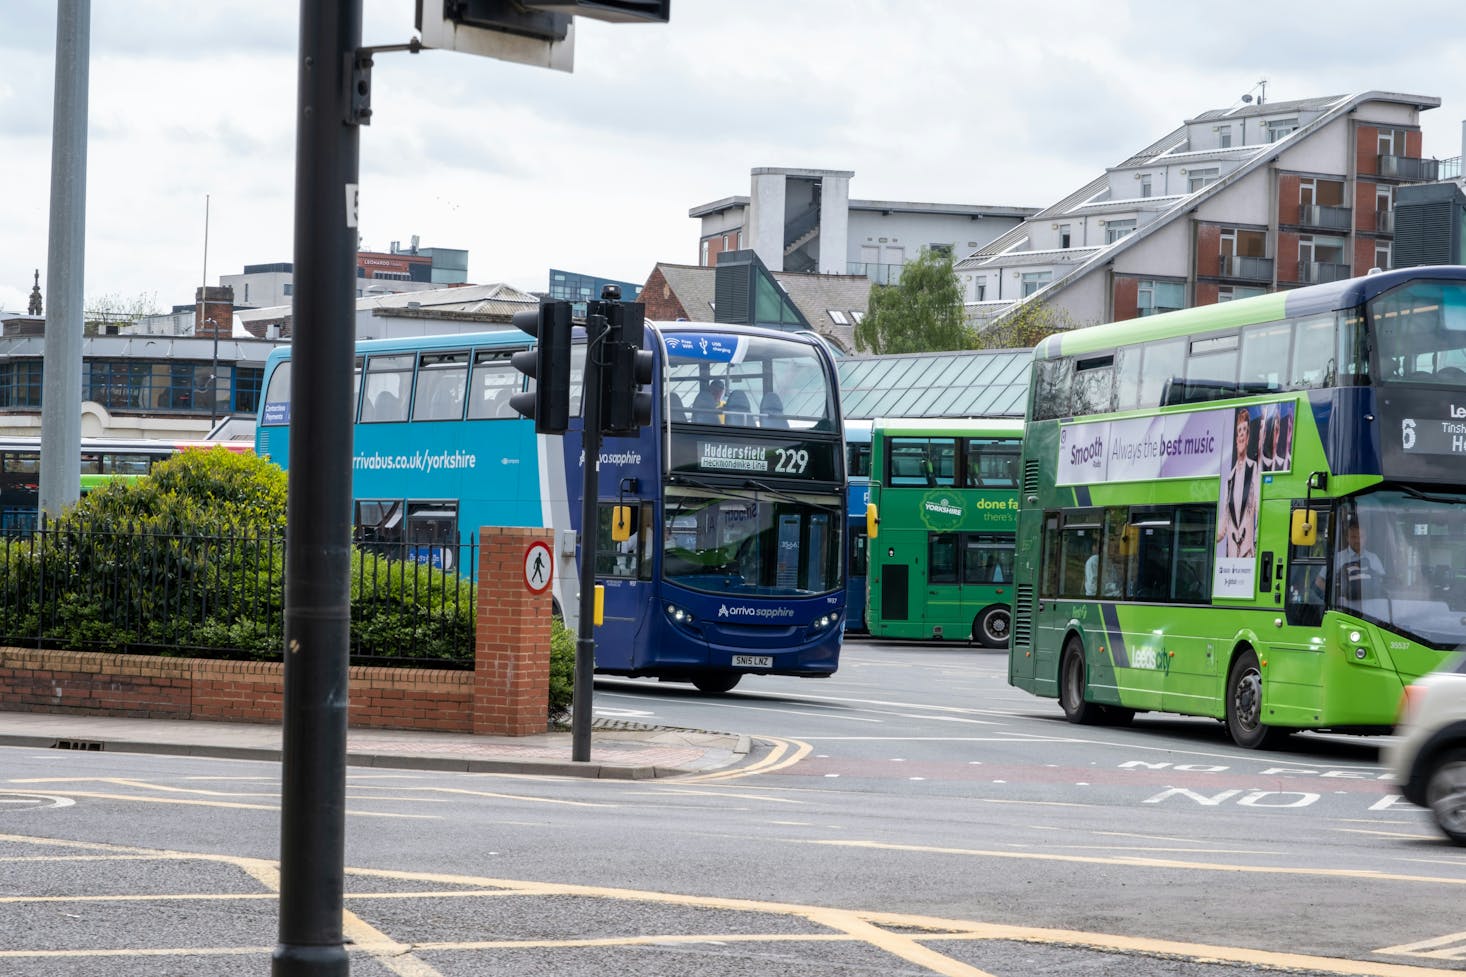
943	101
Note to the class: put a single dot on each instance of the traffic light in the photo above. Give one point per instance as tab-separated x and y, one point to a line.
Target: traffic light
626	405
548	364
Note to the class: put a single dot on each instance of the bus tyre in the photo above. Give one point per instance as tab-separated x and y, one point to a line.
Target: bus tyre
1073	680
990	628
1244	706
716	683
1445	793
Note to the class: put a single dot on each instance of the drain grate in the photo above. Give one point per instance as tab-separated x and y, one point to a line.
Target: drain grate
77	745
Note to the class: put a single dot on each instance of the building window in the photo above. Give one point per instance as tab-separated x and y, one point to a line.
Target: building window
980	288
1280	128
1391	142
1065	239
1035	280
1197	179
1115	230
288	288
1145	184
705	253
1224	136
20	383
1153	298
944	250
1383	255
1228	293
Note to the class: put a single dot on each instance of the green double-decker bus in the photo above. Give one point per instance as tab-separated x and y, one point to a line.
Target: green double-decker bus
943	505
1253	511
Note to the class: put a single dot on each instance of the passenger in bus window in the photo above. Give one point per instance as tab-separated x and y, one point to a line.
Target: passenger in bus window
706	409
1109	568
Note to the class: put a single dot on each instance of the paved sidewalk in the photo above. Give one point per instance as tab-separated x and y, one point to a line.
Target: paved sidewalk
618	750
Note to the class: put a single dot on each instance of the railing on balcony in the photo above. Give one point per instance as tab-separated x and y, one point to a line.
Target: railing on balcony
1246	268
1450	168
879	273
1314	272
1327	218
1409	168
1384	221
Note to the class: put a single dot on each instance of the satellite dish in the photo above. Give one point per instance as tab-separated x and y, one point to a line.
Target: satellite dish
1246	98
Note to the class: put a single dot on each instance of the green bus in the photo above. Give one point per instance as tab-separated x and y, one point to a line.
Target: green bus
1253	511
943	504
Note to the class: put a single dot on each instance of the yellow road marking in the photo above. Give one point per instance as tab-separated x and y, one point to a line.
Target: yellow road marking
776	760
902	935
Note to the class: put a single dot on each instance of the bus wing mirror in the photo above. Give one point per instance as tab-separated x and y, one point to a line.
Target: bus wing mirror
1304	529
872	520
621	523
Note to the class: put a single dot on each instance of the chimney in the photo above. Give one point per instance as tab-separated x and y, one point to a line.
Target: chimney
213	312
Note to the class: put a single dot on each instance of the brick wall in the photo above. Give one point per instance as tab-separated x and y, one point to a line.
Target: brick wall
506	693
1127	298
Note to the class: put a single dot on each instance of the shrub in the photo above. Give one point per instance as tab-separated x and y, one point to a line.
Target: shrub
562	668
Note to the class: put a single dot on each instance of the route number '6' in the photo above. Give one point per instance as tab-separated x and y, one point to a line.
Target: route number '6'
791	461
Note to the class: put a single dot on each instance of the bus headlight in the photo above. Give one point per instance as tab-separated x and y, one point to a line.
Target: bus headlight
824	621
678	614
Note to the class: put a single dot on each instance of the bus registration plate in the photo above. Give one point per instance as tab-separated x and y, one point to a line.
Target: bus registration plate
753	661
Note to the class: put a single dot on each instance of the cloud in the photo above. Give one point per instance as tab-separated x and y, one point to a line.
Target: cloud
595	170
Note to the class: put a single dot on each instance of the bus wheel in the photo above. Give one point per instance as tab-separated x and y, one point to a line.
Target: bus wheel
1244	706
990	628
1072	683
716	683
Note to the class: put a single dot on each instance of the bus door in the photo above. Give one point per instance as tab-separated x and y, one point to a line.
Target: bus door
987	585
942	610
624	570
897	586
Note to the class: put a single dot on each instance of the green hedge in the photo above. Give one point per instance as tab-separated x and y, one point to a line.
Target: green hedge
190	561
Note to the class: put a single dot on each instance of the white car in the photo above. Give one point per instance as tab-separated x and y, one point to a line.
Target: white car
1427	757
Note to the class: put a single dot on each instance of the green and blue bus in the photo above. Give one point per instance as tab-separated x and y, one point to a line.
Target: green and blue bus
103	460
734	562
943	508
1252	511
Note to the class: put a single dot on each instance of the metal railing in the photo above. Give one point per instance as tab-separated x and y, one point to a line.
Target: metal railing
879	273
1409	168
1314	272
1328	218
1247	268
223	596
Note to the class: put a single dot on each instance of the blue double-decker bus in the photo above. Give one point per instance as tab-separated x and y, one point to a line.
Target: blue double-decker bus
734	562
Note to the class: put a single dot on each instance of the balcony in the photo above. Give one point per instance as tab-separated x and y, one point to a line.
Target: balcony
1315	272
1451	168
1245	268
1325	218
1409	168
879	273
1384	221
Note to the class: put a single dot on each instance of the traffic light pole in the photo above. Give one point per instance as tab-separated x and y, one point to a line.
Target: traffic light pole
585	644
318	507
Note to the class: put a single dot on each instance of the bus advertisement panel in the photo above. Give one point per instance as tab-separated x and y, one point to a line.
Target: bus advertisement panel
1249	511
945	498
734	561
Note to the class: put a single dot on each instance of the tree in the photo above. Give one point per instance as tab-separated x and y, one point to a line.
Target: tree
1024	326
921	313
113	309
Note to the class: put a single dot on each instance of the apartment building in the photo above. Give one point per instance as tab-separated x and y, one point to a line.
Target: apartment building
1234	202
